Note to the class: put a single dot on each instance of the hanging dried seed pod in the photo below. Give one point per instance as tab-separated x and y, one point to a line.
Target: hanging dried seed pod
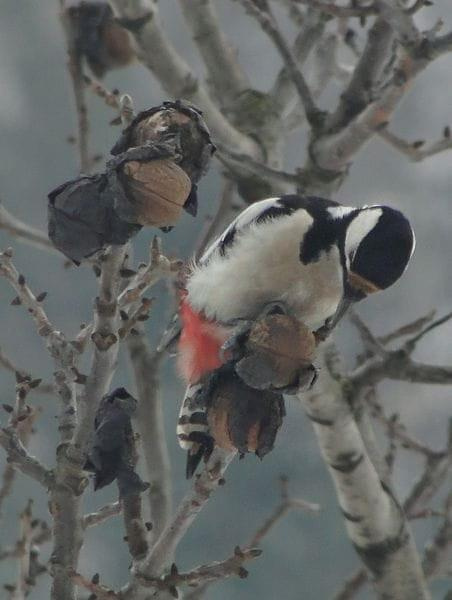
243	418
82	219
113	453
151	177
278	352
97	36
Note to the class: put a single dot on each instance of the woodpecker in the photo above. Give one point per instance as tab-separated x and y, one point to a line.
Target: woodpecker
305	256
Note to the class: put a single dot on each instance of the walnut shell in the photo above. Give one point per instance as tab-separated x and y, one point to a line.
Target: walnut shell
277	350
158	190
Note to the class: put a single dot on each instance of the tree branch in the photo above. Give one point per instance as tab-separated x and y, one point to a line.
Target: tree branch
19	457
262	13
160	56
103	514
76	74
150	423
283	92
23	232
374	520
188	510
415	150
225	75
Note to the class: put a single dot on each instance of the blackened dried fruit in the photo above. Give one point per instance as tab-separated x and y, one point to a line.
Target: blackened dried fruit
82	216
113	455
98	37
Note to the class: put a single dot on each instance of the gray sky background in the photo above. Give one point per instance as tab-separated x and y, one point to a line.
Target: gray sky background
305	556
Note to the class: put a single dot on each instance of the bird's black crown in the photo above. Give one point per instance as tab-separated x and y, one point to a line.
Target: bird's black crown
383	254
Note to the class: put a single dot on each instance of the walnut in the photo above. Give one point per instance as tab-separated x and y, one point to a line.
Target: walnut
279	349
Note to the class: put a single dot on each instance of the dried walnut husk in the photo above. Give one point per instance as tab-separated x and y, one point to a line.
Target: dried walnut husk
277	351
152	176
243	418
97	36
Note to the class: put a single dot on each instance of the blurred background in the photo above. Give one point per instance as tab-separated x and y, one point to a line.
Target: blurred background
305	556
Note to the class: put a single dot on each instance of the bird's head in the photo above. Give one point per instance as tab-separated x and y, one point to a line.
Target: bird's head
379	243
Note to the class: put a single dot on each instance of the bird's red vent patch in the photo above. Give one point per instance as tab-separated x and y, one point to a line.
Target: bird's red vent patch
199	345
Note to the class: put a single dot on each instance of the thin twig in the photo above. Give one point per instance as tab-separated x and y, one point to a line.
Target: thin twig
408	329
148	274
149	420
23	232
262	13
75	69
415	151
22	460
219	219
103	514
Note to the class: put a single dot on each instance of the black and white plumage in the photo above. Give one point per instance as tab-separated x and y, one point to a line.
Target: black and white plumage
312	255
299	250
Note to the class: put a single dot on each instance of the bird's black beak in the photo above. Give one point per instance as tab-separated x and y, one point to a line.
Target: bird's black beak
341	310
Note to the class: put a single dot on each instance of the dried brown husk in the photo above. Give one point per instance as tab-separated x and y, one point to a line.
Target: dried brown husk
277	350
243	418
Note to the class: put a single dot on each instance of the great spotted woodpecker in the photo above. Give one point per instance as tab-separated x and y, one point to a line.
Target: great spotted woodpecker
311	256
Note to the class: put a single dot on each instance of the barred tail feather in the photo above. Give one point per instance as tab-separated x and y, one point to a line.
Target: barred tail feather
193	428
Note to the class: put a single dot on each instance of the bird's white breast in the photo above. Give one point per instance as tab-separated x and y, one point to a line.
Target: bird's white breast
263	266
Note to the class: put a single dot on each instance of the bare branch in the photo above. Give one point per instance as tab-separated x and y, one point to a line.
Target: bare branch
160	56
5	362
110	98
415	151
22	586
228	156
76	74
283	92
158	267
359	90
24	232
371	344
398	431
206	573
374	520
219	219
92	585
436	550
411	342
408	329
225	75
262	13
286	504
150	423
19	457
103	514
401	22
188	510
105	339
334	10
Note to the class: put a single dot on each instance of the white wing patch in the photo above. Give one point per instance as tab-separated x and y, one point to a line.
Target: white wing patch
244	219
338	212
